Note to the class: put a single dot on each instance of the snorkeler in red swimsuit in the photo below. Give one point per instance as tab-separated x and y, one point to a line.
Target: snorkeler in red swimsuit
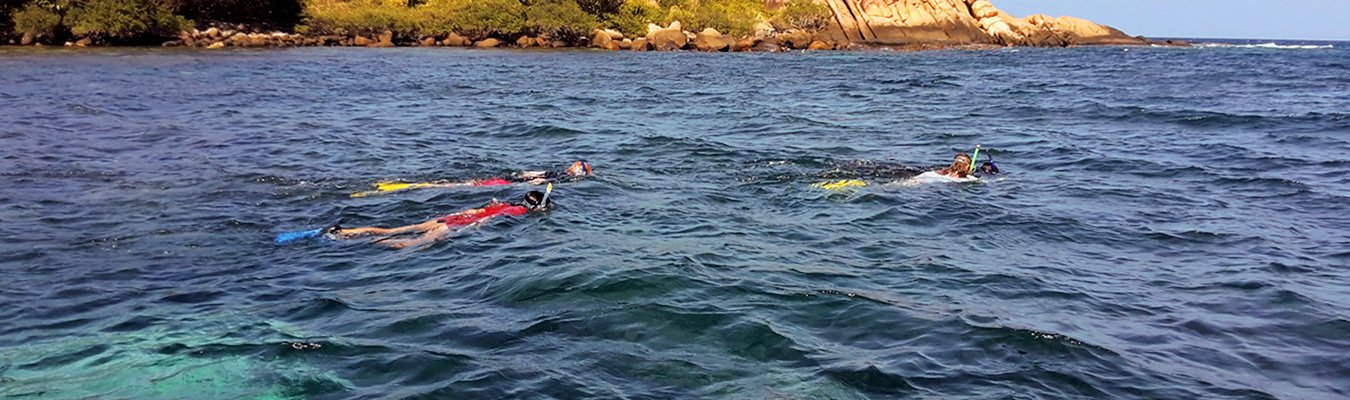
436	229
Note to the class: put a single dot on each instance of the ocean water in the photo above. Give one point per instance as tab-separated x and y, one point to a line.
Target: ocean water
1171	223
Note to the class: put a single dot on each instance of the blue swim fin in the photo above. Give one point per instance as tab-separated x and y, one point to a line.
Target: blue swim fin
292	237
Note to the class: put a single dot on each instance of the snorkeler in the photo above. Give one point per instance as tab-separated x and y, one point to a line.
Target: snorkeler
575	171
853	173
959	169
436	229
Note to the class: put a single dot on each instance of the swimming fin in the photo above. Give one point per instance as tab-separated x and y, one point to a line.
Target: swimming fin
292	237
840	184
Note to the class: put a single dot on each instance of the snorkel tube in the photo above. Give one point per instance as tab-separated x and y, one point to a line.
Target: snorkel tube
974	158
547	192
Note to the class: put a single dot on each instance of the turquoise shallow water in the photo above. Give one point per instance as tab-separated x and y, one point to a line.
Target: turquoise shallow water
1171	224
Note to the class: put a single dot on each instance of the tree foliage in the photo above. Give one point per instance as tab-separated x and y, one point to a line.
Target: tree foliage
559	19
600	8
37	20
125	19
364	17
633	16
483	18
803	14
737	17
275	14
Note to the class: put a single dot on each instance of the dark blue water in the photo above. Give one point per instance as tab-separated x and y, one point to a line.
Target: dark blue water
1172	224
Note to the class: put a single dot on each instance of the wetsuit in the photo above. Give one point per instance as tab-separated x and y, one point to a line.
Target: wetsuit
550	176
493	210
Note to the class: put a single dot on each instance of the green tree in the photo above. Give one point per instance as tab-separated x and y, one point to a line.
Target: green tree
600	7
276	14
37	21
736	17
559	19
125	20
364	17
634	15
480	19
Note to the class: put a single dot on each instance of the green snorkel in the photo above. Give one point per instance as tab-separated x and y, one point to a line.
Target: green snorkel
547	192
974	158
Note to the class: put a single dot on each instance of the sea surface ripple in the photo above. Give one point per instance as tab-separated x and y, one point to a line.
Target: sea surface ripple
1172	223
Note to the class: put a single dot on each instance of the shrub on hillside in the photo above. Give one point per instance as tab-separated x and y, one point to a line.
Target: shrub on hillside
363	17
123	20
479	19
276	14
600	7
634	15
38	21
737	17
805	15
559	19
7	9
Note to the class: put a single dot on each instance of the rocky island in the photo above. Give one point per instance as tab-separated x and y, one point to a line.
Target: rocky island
729	25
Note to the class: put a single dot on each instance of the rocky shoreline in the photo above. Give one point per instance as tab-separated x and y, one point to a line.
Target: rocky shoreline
856	25
668	38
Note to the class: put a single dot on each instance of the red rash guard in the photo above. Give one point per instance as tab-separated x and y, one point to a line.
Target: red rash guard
492	182
488	212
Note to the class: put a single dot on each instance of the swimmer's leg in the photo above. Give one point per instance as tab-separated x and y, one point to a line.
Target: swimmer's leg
430	236
345	233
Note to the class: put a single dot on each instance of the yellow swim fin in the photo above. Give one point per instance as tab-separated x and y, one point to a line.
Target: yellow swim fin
840	184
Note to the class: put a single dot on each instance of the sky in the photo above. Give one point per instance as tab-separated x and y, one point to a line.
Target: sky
1227	19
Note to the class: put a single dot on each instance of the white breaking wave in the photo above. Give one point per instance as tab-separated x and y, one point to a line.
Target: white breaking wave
1271	45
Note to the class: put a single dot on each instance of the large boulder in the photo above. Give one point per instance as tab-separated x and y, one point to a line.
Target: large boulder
27	39
667	39
487	43
820	45
213	32
640	44
454	39
796	39
1081	31
362	41
600	39
907	22
744	44
710	40
386	40
958	22
216	45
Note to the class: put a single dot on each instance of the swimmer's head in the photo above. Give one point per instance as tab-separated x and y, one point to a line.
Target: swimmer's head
579	168
988	168
534	200
961	163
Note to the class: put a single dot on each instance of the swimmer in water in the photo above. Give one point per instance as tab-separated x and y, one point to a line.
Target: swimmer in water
575	171
960	168
853	173
436	229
